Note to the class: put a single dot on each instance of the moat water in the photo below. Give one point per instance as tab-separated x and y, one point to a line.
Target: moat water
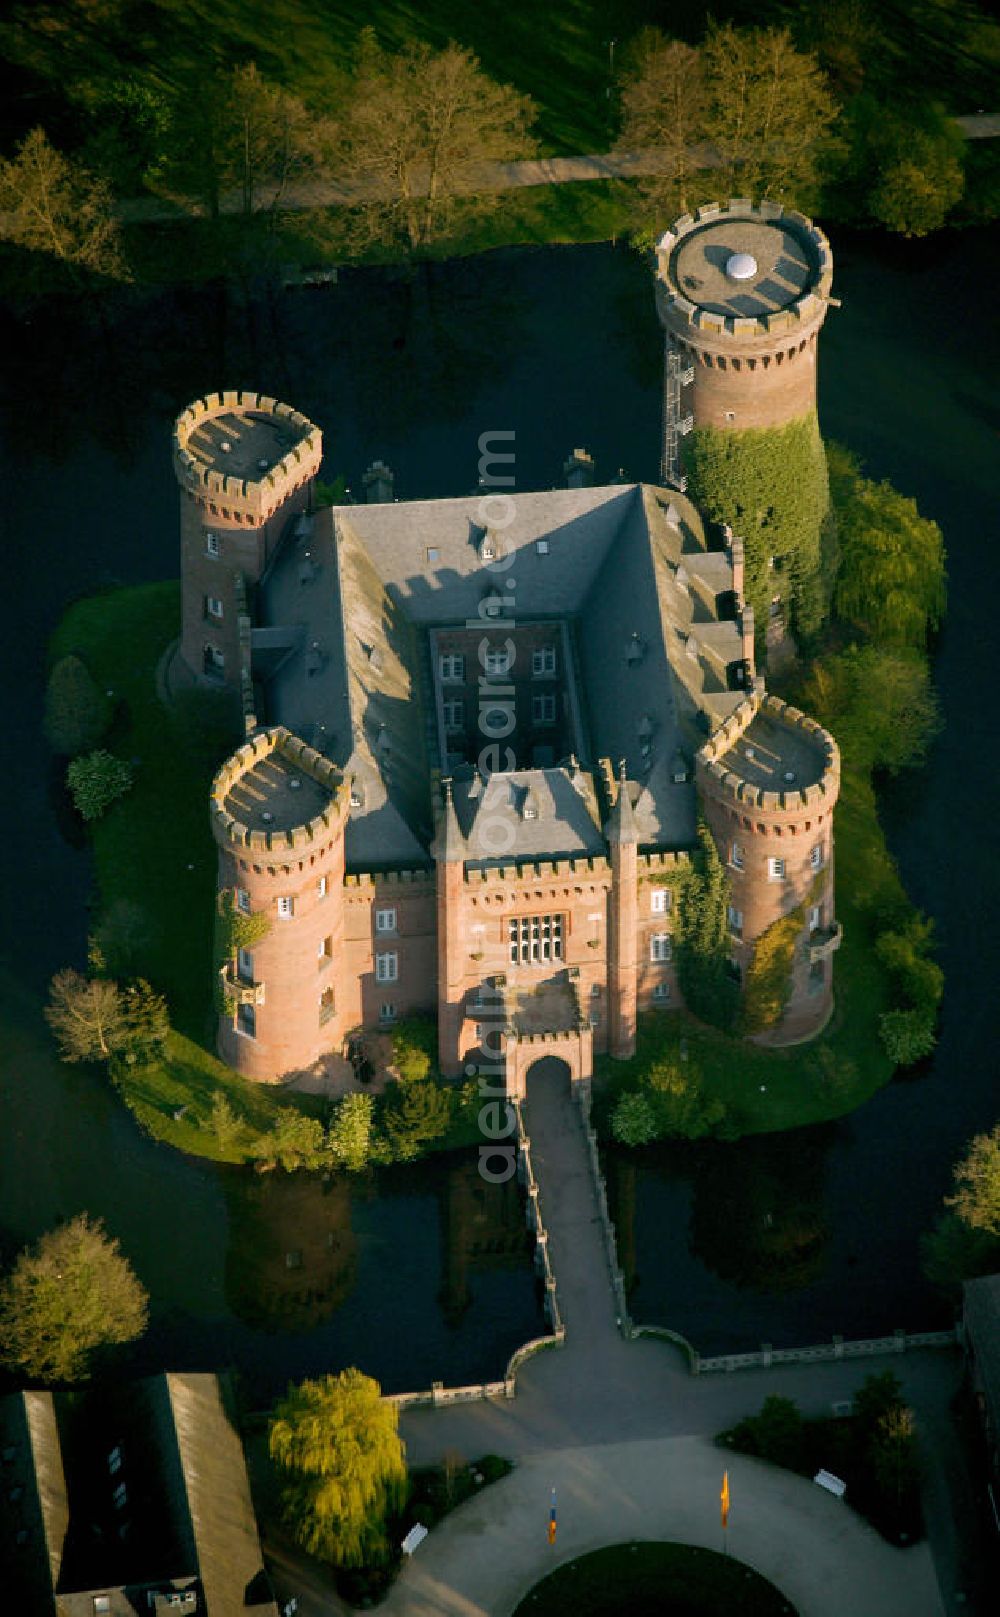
423	1274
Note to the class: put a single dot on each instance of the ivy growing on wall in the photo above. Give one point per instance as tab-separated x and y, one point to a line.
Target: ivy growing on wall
234	931
703	948
771	486
769	976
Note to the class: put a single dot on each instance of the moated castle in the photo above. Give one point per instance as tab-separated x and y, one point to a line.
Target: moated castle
479	730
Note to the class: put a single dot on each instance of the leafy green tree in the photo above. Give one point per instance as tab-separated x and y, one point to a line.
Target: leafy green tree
413	1115
770	114
68	1296
779	1431
893	1450
126	124
86	1016
337	1443
413	120
703	946
879	703
976	1200
351	1131
51	205
891	582
676	1090
770	485
919	172
97	780
634	1120
953	1252
77	712
146	1022
295	1141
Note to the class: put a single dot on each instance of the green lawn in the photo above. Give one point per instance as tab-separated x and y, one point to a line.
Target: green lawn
654	1580
154	848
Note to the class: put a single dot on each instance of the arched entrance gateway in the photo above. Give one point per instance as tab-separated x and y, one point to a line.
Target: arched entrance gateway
567	1050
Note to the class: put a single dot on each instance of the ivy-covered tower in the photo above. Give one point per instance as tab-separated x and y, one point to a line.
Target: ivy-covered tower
742	292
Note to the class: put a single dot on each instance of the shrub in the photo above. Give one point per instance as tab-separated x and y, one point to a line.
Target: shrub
703	937
634	1120
414	1048
351	1131
908	1036
77	711
96	780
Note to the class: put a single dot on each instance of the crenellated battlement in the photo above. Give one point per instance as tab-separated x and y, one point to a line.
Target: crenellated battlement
545	870
811	751
250	484
682	304
231	830
413	880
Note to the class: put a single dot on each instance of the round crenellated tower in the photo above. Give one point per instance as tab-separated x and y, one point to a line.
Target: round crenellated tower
741	292
278	814
245	465
768	779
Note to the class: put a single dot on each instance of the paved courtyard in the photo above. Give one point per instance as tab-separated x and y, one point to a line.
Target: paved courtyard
623	1432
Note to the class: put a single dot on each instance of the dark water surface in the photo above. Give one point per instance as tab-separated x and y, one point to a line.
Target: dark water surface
561	346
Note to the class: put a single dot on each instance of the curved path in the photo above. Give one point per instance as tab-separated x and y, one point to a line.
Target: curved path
623	1432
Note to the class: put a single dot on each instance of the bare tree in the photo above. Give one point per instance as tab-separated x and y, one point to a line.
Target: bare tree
417	119
87	1017
769	113
241	135
663	102
52	205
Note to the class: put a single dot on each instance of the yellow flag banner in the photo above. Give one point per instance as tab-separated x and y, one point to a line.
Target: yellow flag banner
724	1498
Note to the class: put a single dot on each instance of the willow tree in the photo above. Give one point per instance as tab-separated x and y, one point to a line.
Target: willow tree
337	1444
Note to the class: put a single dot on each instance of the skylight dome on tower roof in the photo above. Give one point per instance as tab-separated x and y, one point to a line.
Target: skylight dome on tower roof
741	267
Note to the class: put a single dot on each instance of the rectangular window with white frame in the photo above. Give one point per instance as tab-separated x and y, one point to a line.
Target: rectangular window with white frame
815	917
385	919
775	869
535	939
661	947
243	901
543	662
286	908
497	662
322	887
454	715
816	856
324	952
543	709
387	967
661	993
736	856
735	920
244	965
387	1011
213	607
451	666
211	544
659	900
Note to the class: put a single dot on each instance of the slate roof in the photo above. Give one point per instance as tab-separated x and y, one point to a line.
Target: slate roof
554	811
628	567
186	1509
982	1320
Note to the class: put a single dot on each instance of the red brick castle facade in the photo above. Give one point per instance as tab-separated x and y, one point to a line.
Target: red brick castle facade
478	734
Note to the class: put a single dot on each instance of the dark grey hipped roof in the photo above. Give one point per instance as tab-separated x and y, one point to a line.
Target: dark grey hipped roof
627	566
